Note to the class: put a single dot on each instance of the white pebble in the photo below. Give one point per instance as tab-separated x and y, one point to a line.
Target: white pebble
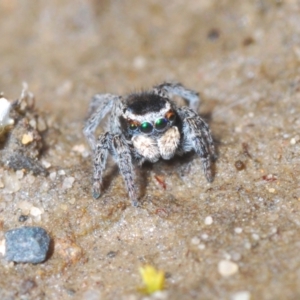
208	220
204	236
61	172
195	240
2	247
227	268
46	164
247	245
68	182
5	107
238	230
20	174
255	236
201	246
81	149
35	211
294	140
52	176
242	295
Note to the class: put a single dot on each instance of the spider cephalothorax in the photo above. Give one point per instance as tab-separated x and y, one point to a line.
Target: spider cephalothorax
146	127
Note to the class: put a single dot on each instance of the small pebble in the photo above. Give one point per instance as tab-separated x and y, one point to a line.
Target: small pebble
41	124
271	190
239	165
201	246
5	120
2	247
81	149
27	245
23	218
61	172
242	295
68	182
238	230
195	240
52	176
27	138
294	140
227	268
32	123
35	211
111	254
46	164
208	220
204	236
20	174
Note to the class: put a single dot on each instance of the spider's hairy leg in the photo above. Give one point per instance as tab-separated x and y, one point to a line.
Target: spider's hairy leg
100	105
197	136
169	89
100	157
122	154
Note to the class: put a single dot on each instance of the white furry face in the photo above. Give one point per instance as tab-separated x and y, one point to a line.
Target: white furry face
146	147
169	143
152	149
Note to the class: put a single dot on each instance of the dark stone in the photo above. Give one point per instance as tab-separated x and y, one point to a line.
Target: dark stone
27	245
23	218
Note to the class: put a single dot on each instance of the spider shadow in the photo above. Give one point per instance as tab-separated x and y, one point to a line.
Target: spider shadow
140	177
110	173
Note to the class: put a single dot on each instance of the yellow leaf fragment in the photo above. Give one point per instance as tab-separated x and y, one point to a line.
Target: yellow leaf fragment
154	280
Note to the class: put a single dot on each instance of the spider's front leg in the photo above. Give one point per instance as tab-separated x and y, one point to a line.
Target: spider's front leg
123	156
100	157
197	137
170	88
100	105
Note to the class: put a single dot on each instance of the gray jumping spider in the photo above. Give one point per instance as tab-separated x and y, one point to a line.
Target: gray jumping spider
147	126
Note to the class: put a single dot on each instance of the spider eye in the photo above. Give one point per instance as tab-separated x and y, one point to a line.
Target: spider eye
171	116
133	125
161	123
146	127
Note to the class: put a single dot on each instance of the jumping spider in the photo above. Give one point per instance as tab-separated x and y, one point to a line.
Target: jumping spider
146	126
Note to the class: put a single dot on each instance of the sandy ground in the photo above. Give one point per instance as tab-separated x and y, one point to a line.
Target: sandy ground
243	57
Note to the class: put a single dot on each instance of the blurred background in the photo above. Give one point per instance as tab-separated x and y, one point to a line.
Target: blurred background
243	58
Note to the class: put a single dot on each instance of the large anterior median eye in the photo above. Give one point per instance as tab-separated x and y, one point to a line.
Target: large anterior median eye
146	127
160	124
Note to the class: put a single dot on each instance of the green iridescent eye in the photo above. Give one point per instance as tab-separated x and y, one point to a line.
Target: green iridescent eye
161	123
146	127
